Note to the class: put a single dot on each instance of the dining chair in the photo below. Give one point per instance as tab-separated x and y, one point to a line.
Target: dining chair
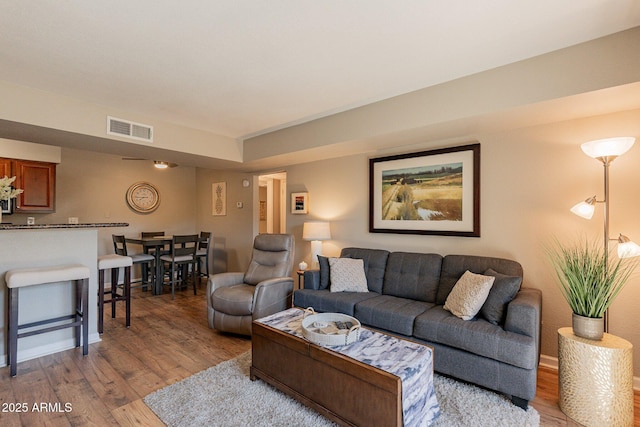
202	254
146	262
152	250
183	254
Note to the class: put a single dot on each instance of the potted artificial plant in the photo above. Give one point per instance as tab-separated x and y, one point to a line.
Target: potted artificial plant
589	279
7	192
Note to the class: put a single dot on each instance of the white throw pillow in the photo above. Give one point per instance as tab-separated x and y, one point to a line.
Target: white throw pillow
468	295
347	275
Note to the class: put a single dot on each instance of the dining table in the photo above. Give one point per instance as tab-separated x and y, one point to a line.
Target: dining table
157	243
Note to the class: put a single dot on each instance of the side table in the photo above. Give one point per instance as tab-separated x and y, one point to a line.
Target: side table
300	278
595	379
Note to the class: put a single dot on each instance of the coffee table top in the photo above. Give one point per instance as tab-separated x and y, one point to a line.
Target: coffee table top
397	356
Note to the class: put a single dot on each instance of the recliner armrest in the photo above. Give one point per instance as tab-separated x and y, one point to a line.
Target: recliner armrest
271	296
222	280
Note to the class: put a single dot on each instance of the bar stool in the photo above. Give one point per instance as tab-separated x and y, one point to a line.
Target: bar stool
114	262
146	261
20	278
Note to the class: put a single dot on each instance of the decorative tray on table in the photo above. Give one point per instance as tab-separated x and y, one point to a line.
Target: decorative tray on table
330	328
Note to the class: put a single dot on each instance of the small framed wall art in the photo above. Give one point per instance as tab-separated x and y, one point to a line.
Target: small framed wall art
300	203
219	198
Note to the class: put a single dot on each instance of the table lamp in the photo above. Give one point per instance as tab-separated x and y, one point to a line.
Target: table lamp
316	232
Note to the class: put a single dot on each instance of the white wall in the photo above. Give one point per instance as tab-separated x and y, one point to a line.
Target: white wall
529	179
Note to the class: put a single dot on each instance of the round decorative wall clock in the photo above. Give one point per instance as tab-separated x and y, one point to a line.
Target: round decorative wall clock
143	197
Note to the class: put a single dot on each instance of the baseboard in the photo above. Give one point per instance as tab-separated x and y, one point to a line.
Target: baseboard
549	361
552	363
44	350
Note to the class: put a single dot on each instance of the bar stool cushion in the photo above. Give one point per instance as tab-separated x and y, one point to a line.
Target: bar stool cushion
106	262
19	278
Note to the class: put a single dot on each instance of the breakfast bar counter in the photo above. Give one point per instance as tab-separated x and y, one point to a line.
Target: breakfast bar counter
44	245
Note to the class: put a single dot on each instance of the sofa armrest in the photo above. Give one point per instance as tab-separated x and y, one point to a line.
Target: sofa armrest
271	296
312	279
524	314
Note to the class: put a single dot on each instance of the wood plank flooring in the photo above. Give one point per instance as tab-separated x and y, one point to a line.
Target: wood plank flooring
167	342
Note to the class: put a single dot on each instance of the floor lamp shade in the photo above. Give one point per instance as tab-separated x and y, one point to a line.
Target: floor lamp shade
316	232
609	147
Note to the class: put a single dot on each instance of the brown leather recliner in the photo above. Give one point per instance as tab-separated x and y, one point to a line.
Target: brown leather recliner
234	300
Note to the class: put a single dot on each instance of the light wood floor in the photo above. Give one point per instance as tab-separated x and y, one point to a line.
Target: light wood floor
167	342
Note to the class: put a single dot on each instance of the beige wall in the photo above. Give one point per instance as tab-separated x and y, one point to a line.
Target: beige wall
92	187
530	178
232	233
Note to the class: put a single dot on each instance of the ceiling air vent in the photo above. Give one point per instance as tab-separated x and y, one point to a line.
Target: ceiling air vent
129	129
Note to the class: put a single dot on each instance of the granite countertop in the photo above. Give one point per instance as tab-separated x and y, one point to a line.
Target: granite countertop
50	226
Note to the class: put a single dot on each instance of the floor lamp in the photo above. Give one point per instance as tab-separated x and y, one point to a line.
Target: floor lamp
316	232
607	150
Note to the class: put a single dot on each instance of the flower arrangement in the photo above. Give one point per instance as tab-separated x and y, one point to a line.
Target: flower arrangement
7	191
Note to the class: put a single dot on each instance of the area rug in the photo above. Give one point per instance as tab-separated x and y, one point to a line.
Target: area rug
224	395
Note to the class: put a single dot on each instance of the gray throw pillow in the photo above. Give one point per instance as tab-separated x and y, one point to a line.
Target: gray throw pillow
504	289
324	272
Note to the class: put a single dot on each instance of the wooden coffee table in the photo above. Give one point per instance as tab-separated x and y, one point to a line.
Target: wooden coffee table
341	388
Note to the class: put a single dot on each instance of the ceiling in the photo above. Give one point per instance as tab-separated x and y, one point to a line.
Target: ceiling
244	68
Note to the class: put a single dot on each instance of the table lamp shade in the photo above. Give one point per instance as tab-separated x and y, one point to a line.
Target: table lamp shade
316	231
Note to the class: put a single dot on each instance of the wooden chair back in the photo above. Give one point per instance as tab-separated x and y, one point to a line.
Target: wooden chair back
119	244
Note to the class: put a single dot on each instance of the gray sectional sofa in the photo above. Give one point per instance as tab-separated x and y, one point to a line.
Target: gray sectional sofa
406	293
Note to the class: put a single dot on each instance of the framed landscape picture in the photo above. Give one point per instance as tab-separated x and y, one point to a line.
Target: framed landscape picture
428	192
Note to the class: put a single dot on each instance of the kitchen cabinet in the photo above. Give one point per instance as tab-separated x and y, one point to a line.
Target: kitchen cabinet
5	168
37	179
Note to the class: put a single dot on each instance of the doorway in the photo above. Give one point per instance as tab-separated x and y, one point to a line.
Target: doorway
272	203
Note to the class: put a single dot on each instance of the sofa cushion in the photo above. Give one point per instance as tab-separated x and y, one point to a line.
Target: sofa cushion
476	336
468	295
347	275
391	313
375	262
330	302
411	275
325	274
454	266
504	289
